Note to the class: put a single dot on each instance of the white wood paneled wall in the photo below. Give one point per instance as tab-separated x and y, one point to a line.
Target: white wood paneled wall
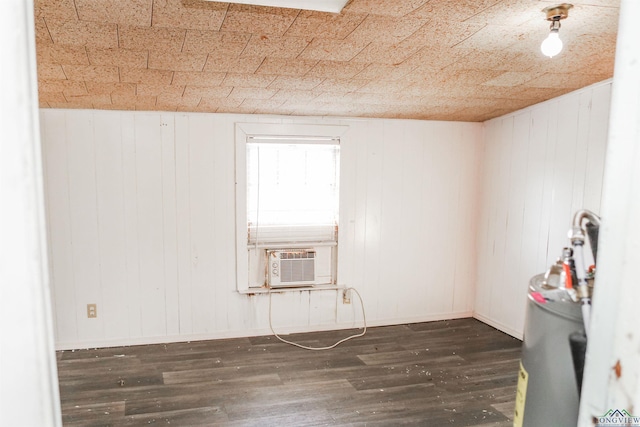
141	222
540	166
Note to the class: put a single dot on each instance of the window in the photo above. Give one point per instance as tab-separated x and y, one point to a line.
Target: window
292	190
287	199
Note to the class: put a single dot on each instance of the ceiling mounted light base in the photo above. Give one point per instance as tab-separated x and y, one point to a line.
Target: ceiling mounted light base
556	13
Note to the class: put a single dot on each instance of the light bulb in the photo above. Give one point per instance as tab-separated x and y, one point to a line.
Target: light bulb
552	45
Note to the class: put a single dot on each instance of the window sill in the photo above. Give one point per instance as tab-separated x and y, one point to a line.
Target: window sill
290	245
254	291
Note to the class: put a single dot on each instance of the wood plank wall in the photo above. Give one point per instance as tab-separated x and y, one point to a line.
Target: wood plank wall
140	210
540	166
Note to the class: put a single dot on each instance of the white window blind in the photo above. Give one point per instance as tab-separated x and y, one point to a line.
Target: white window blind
292	190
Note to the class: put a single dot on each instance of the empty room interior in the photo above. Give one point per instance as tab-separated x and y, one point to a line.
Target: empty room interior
327	212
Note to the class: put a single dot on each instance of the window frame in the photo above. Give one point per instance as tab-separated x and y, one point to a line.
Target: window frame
243	132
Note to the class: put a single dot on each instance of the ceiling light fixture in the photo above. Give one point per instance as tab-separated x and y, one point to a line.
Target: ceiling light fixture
552	45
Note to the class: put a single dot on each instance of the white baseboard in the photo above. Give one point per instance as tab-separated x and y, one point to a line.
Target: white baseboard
120	342
500	326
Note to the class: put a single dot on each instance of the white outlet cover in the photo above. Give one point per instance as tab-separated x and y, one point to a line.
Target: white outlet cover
333	6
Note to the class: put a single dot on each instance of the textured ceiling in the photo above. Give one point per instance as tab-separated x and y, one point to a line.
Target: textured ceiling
463	60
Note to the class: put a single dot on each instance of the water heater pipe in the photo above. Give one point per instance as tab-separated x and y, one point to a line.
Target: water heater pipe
577	240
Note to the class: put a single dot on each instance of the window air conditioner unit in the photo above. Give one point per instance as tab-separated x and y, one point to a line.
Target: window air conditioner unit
291	267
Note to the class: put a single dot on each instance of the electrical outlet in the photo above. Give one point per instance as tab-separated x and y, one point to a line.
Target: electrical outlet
92	311
346	296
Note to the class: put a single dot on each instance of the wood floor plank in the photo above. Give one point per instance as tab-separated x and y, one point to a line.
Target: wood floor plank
113	380
455	373
207	416
253	376
93	413
171	403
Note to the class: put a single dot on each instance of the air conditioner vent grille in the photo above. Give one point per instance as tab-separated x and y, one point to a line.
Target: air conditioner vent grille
297	270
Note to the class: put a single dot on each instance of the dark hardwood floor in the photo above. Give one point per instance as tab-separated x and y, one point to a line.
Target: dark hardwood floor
448	373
